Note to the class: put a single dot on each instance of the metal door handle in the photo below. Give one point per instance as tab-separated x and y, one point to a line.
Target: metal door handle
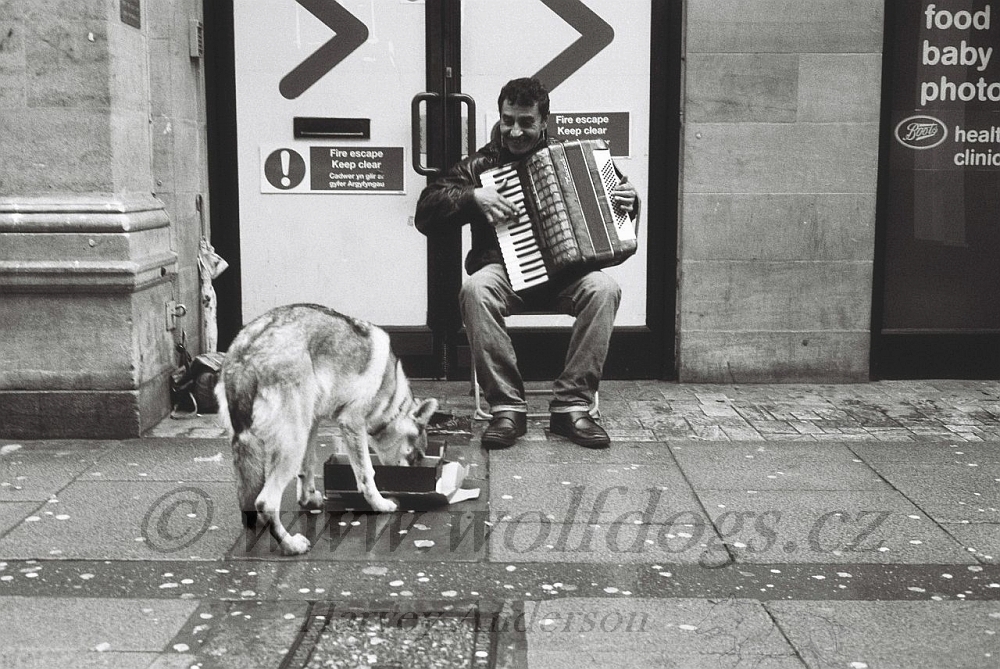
470	102
415	129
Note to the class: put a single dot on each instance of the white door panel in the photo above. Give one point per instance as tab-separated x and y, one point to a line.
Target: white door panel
523	37
355	251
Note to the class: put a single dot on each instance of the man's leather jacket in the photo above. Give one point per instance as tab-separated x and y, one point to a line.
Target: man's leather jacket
449	203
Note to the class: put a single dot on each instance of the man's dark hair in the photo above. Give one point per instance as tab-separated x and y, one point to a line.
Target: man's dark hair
525	92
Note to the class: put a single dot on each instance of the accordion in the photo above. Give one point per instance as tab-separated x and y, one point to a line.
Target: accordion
566	217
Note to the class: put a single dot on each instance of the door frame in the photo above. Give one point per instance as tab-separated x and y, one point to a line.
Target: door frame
223	180
444	131
440	349
636	352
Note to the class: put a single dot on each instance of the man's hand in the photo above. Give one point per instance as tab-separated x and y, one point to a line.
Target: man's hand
495	206
625	195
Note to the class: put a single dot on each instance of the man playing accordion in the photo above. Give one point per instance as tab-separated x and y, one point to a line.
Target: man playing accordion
487	297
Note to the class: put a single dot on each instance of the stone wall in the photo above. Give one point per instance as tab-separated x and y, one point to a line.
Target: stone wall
179	143
101	159
779	168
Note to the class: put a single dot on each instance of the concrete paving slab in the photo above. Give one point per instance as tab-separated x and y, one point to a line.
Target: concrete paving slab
939	451
621	420
656	417
193	459
447	533
580	632
88	659
9	446
235	635
705	417
175	661
450	583
98	625
459	449
164	460
612	543
303	580
981	539
828	527
12	513
823	451
137	579
779	466
201	425
130	521
589	493
823	582
38	472
560	450
948	493
619	434
893	635
536	433
612	656
640	390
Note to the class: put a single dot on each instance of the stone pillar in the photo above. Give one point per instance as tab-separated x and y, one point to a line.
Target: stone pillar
86	258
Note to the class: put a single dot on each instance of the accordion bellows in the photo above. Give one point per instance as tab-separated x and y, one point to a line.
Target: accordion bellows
568	218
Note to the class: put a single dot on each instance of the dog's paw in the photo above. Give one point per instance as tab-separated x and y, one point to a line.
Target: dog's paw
313	500
295	545
383	505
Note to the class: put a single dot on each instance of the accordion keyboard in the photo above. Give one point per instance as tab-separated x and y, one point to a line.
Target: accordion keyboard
521	254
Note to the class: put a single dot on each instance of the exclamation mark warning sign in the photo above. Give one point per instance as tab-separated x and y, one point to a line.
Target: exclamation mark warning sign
284	169
285	156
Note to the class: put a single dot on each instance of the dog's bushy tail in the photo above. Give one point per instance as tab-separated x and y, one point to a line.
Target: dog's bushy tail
249	463
223	417
248	449
235	395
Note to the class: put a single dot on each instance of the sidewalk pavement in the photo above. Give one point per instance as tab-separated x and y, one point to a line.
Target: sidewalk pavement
764	526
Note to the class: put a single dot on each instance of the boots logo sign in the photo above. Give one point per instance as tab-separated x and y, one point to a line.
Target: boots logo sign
921	132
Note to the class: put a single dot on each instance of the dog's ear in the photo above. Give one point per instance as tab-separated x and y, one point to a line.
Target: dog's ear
422	414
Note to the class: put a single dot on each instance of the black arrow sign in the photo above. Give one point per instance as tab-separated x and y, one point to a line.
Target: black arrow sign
595	34
350	34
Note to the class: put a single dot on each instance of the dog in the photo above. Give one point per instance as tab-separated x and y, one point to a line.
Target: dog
284	372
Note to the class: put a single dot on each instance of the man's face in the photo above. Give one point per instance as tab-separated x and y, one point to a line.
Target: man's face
520	127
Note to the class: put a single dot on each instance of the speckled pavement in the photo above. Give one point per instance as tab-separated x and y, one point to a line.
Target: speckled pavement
783	526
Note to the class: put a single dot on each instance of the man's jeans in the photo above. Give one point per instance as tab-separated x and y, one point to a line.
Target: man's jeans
486	298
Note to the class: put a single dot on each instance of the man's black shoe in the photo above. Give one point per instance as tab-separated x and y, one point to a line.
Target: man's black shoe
580	428
504	429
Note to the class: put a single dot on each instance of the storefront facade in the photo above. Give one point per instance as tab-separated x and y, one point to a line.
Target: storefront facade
782	238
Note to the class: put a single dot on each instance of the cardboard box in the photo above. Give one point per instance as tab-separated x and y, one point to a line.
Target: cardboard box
413	487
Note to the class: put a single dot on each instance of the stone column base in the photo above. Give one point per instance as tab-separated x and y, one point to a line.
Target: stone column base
84	281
